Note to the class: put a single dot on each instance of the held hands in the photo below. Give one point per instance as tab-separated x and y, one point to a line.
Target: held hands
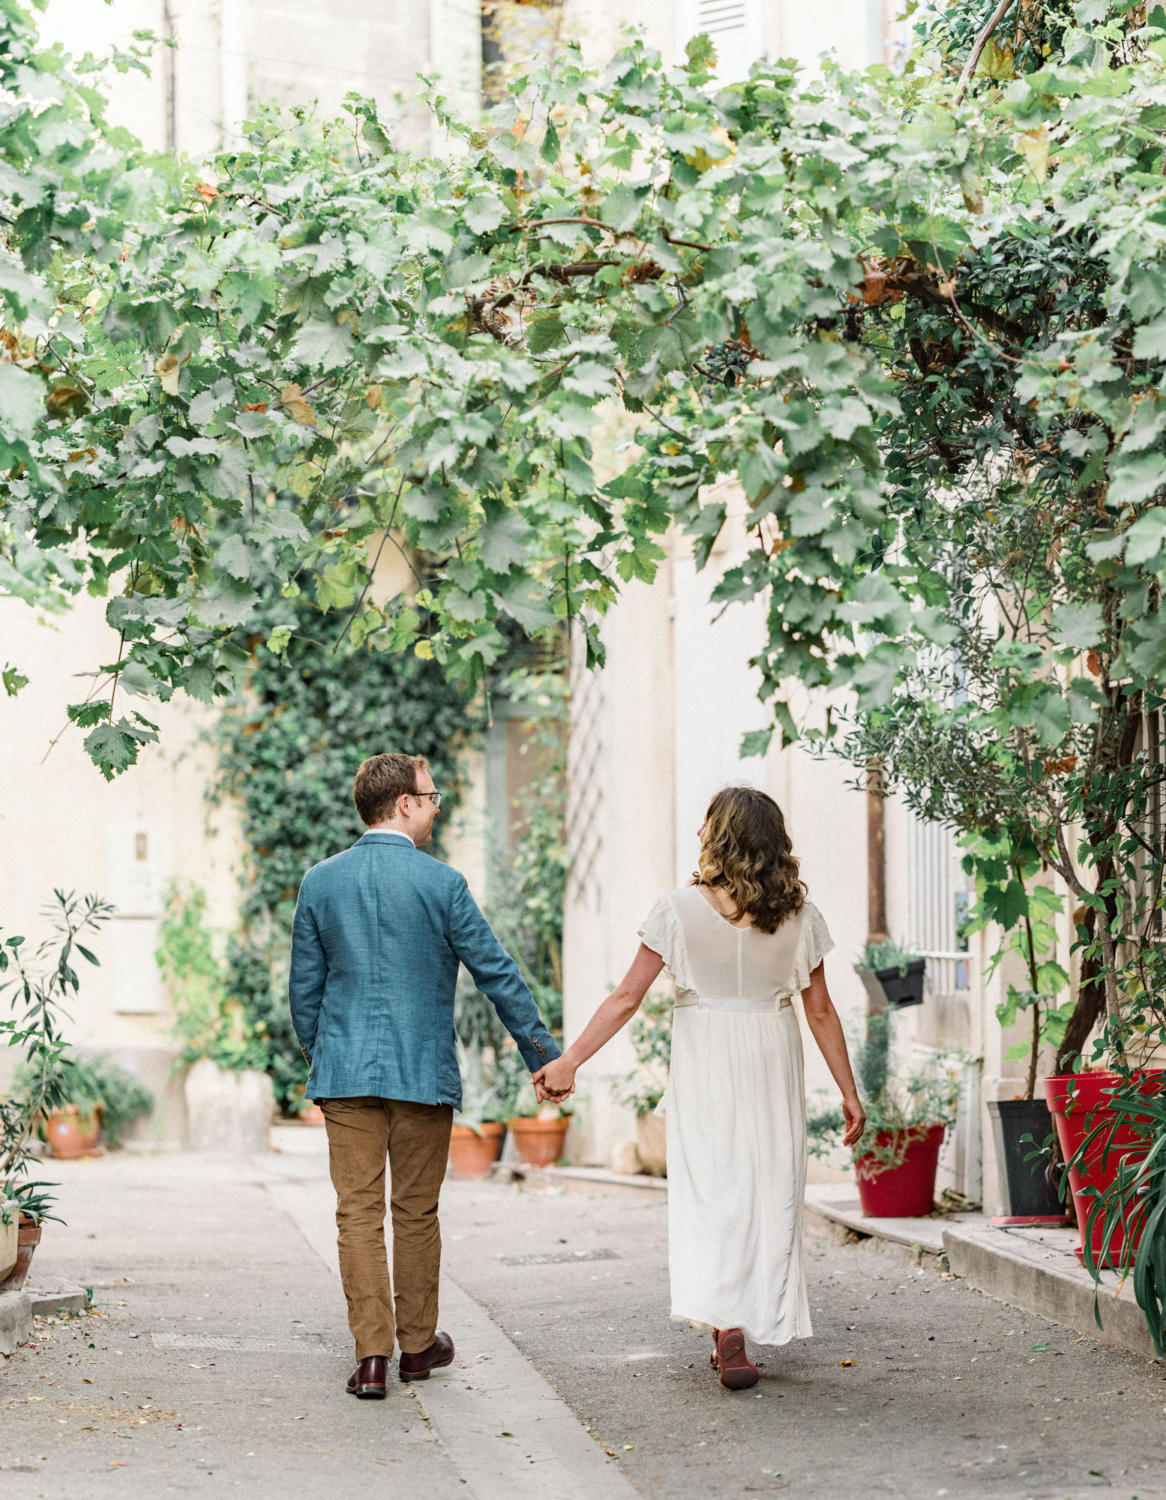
554	1082
855	1120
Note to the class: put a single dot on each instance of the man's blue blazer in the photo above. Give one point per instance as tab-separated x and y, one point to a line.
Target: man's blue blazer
378	935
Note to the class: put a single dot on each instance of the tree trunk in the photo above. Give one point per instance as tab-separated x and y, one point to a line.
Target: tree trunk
876	865
1090	1000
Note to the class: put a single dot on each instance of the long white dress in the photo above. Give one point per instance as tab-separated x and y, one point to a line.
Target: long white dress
735	1115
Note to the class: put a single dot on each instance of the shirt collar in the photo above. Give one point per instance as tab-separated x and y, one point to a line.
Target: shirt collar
393	833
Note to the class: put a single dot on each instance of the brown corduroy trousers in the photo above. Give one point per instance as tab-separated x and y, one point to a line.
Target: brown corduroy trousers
414	1139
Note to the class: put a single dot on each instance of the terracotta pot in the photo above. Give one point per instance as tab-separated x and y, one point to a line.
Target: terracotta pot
70	1133
27	1239
908	1190
539	1143
313	1115
472	1156
1079	1103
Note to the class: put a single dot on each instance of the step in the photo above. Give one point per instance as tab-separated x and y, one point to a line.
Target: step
51	1295
839	1204
514	1171
1037	1269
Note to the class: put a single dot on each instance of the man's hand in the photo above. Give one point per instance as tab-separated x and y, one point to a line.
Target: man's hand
554	1082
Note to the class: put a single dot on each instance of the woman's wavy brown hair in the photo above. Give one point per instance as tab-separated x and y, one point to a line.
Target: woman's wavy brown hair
747	851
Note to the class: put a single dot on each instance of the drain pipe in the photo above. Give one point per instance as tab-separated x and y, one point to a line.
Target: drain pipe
232	72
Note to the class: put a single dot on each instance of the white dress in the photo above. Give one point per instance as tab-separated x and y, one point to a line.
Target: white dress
735	1115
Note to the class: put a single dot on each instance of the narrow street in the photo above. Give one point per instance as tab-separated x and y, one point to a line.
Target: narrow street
216	1356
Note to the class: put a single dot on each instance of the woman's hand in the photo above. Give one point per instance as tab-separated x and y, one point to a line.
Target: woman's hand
555	1081
855	1119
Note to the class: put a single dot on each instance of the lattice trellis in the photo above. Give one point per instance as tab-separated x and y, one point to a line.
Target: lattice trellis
585	755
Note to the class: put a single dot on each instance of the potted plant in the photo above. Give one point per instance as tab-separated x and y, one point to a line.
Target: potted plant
96	1098
43	987
645	1085
32	1202
891	974
71	1130
1124	1153
1105	1127
479	1126
9	1222
1022	1125
539	1130
475	1144
228	1085
896	1160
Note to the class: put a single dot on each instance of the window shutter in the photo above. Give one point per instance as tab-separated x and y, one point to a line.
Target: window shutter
735	29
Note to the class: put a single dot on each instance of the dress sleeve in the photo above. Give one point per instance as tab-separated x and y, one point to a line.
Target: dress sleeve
813	945
661	931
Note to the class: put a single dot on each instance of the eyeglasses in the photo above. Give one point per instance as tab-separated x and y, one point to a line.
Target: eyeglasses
434	797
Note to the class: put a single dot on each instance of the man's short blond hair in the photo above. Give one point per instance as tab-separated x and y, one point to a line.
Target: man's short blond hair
381	781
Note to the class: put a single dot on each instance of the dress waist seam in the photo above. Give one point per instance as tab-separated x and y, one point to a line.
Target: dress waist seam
737	1003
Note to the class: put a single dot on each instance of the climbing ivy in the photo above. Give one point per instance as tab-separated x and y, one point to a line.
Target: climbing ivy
288	747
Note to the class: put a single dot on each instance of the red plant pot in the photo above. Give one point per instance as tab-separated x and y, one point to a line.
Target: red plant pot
71	1134
908	1190
1079	1103
472	1156
27	1239
539	1143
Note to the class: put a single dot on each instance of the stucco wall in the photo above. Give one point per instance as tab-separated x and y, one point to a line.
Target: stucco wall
63	826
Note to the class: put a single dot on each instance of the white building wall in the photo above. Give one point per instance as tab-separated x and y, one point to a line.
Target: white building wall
235	54
666	715
858	32
620	837
63	826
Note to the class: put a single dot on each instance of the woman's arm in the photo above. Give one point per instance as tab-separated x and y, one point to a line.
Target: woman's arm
557	1079
823	1021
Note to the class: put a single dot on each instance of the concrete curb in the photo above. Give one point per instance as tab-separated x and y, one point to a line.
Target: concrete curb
15	1320
49	1297
1042	1278
1028	1267
513	1171
832	1205
506	1429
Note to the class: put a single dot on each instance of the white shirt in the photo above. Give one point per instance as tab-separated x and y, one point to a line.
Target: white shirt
396	832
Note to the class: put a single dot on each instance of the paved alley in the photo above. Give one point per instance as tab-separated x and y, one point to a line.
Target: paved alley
216	1358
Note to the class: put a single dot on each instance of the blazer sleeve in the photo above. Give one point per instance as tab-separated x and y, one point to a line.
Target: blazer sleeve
496	975
307	975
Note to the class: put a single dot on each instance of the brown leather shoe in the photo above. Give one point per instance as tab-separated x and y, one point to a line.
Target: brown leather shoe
368	1379
436	1357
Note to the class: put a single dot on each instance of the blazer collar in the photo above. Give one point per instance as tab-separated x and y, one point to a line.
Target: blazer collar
383	836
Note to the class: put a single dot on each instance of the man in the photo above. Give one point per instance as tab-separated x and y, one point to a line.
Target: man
378	935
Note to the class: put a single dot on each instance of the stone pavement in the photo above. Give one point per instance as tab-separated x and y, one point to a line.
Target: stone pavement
1034	1267
218	1361
914	1384
217	1355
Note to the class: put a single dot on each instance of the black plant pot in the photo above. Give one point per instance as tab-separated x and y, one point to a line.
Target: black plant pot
903	989
1024	1191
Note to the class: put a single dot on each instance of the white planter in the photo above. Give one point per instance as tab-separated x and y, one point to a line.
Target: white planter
227	1111
8	1232
653	1145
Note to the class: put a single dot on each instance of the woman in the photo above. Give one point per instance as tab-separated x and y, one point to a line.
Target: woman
738	942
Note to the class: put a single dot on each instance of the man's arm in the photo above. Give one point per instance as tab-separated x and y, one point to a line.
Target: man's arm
306	978
496	975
